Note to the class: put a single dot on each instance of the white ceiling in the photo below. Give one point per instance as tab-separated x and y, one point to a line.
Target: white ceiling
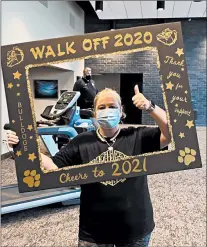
148	9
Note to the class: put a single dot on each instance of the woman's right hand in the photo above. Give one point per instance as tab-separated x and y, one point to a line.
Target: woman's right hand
12	138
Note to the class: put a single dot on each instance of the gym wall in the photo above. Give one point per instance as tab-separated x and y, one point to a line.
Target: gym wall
194	35
23	21
65	81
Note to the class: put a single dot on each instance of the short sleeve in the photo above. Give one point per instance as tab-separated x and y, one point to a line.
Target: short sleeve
68	156
150	139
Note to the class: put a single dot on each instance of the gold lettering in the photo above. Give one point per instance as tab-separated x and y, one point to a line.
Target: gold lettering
50	52
20	117
128	39
148	37
20	111
36	52
181	112
138	36
19	105
177	98
25	148
63	178
118	41
145	164
171	60
167	60
24	136
69	48
22	130
178	86
105	41
98	173
96	43
115	172
137	163
127	171
173	74
25	142
22	126
60	53
87	45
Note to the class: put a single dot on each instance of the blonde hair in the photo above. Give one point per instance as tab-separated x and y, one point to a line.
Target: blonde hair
107	90
86	69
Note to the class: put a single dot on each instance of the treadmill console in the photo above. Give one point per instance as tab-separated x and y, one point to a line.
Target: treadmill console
66	101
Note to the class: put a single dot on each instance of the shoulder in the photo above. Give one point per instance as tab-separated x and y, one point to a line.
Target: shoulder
140	131
79	81
127	131
84	137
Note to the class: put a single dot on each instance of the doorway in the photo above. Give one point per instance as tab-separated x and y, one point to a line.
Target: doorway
127	84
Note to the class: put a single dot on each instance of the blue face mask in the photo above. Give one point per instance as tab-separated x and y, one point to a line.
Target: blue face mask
108	118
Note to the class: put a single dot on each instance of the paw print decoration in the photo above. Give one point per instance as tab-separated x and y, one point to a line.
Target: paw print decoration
187	156
31	178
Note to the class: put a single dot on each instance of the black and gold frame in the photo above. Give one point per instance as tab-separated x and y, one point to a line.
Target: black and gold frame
166	40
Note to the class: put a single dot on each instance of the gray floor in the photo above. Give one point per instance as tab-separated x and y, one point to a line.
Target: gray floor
179	201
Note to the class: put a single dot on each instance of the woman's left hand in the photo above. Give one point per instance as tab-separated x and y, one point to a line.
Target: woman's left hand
139	100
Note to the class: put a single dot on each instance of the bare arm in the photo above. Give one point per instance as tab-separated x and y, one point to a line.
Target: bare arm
158	114
47	163
160	117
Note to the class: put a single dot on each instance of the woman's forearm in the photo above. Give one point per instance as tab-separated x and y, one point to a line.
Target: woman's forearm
47	163
160	117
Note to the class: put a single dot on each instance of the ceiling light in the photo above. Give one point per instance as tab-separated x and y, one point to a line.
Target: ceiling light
160	5
99	6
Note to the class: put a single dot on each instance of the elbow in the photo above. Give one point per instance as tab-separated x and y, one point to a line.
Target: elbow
165	138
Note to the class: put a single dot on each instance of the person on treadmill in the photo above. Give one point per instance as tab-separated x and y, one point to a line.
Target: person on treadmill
86	86
118	212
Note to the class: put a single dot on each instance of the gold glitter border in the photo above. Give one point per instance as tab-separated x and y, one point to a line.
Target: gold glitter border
33	116
147	48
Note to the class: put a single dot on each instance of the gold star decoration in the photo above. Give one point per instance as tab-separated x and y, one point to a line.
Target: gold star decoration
182	135
13	121
189	124
175	120
18	94
18	85
10	85
30	127
182	69
169	85
179	52
32	157
31	137
17	75
186	92
176	105
18	153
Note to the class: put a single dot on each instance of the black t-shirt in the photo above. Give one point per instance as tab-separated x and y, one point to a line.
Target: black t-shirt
115	211
88	92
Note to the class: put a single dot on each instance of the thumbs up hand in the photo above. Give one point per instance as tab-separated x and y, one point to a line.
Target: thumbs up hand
139	100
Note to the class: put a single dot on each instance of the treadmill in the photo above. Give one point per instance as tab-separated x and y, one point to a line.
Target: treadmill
66	114
13	201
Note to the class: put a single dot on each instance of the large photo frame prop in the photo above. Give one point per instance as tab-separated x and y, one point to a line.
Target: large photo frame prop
164	39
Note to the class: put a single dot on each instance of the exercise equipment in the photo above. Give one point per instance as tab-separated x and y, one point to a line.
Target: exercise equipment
64	122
